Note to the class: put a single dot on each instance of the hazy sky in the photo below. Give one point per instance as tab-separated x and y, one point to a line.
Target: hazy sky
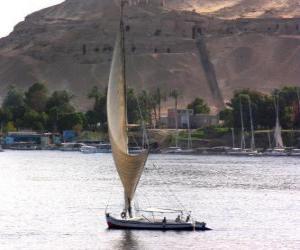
14	11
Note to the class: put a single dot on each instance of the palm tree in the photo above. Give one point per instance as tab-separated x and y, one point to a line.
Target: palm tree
159	97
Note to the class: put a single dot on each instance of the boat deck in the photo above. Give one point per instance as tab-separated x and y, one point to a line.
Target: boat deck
141	223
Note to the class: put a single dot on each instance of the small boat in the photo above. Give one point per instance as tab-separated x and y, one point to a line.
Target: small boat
103	148
276	152
88	149
96	148
70	147
24	146
135	150
295	152
172	150
144	223
242	152
130	166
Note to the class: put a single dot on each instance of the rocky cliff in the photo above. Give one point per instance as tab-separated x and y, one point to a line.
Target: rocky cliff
169	44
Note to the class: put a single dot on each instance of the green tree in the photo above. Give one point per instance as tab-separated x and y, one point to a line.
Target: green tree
71	121
9	127
95	94
14	105
289	106
226	115
36	97
58	106
262	109
5	116
98	114
146	106
199	106
35	120
133	115
175	95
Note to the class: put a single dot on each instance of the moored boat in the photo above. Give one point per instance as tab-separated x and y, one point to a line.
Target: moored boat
69	147
276	152
242	152
88	149
295	152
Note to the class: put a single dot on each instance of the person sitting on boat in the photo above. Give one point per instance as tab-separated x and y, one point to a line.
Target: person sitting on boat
178	219
187	218
164	220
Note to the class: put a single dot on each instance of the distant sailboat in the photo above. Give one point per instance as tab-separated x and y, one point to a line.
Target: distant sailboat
252	145
296	151
279	149
179	150
243	151
130	166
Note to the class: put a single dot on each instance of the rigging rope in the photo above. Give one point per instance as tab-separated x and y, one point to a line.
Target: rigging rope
170	191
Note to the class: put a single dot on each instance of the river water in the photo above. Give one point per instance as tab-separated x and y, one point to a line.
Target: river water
56	200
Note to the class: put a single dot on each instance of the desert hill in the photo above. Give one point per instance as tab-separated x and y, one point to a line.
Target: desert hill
170	44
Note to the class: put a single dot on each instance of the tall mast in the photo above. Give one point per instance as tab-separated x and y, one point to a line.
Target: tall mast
128	207
269	139
242	125
233	139
277	132
190	145
122	32
129	167
298	96
251	123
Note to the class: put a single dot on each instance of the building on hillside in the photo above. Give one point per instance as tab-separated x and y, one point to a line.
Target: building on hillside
163	122
204	120
186	118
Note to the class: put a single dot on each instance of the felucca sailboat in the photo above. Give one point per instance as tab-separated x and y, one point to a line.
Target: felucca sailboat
130	166
243	151
279	149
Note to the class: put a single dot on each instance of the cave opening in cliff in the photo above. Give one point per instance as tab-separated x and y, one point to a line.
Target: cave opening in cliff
83	49
157	32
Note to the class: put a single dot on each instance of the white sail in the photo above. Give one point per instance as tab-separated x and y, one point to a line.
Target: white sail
277	135
277	130
129	167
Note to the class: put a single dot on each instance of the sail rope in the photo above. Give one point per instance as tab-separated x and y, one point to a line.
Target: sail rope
144	129
169	190
110	194
143	125
190	141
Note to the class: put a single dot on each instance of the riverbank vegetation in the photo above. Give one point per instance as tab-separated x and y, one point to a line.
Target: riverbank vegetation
263	109
39	110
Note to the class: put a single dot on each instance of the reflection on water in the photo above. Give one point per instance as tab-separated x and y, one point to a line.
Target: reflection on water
55	200
127	241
